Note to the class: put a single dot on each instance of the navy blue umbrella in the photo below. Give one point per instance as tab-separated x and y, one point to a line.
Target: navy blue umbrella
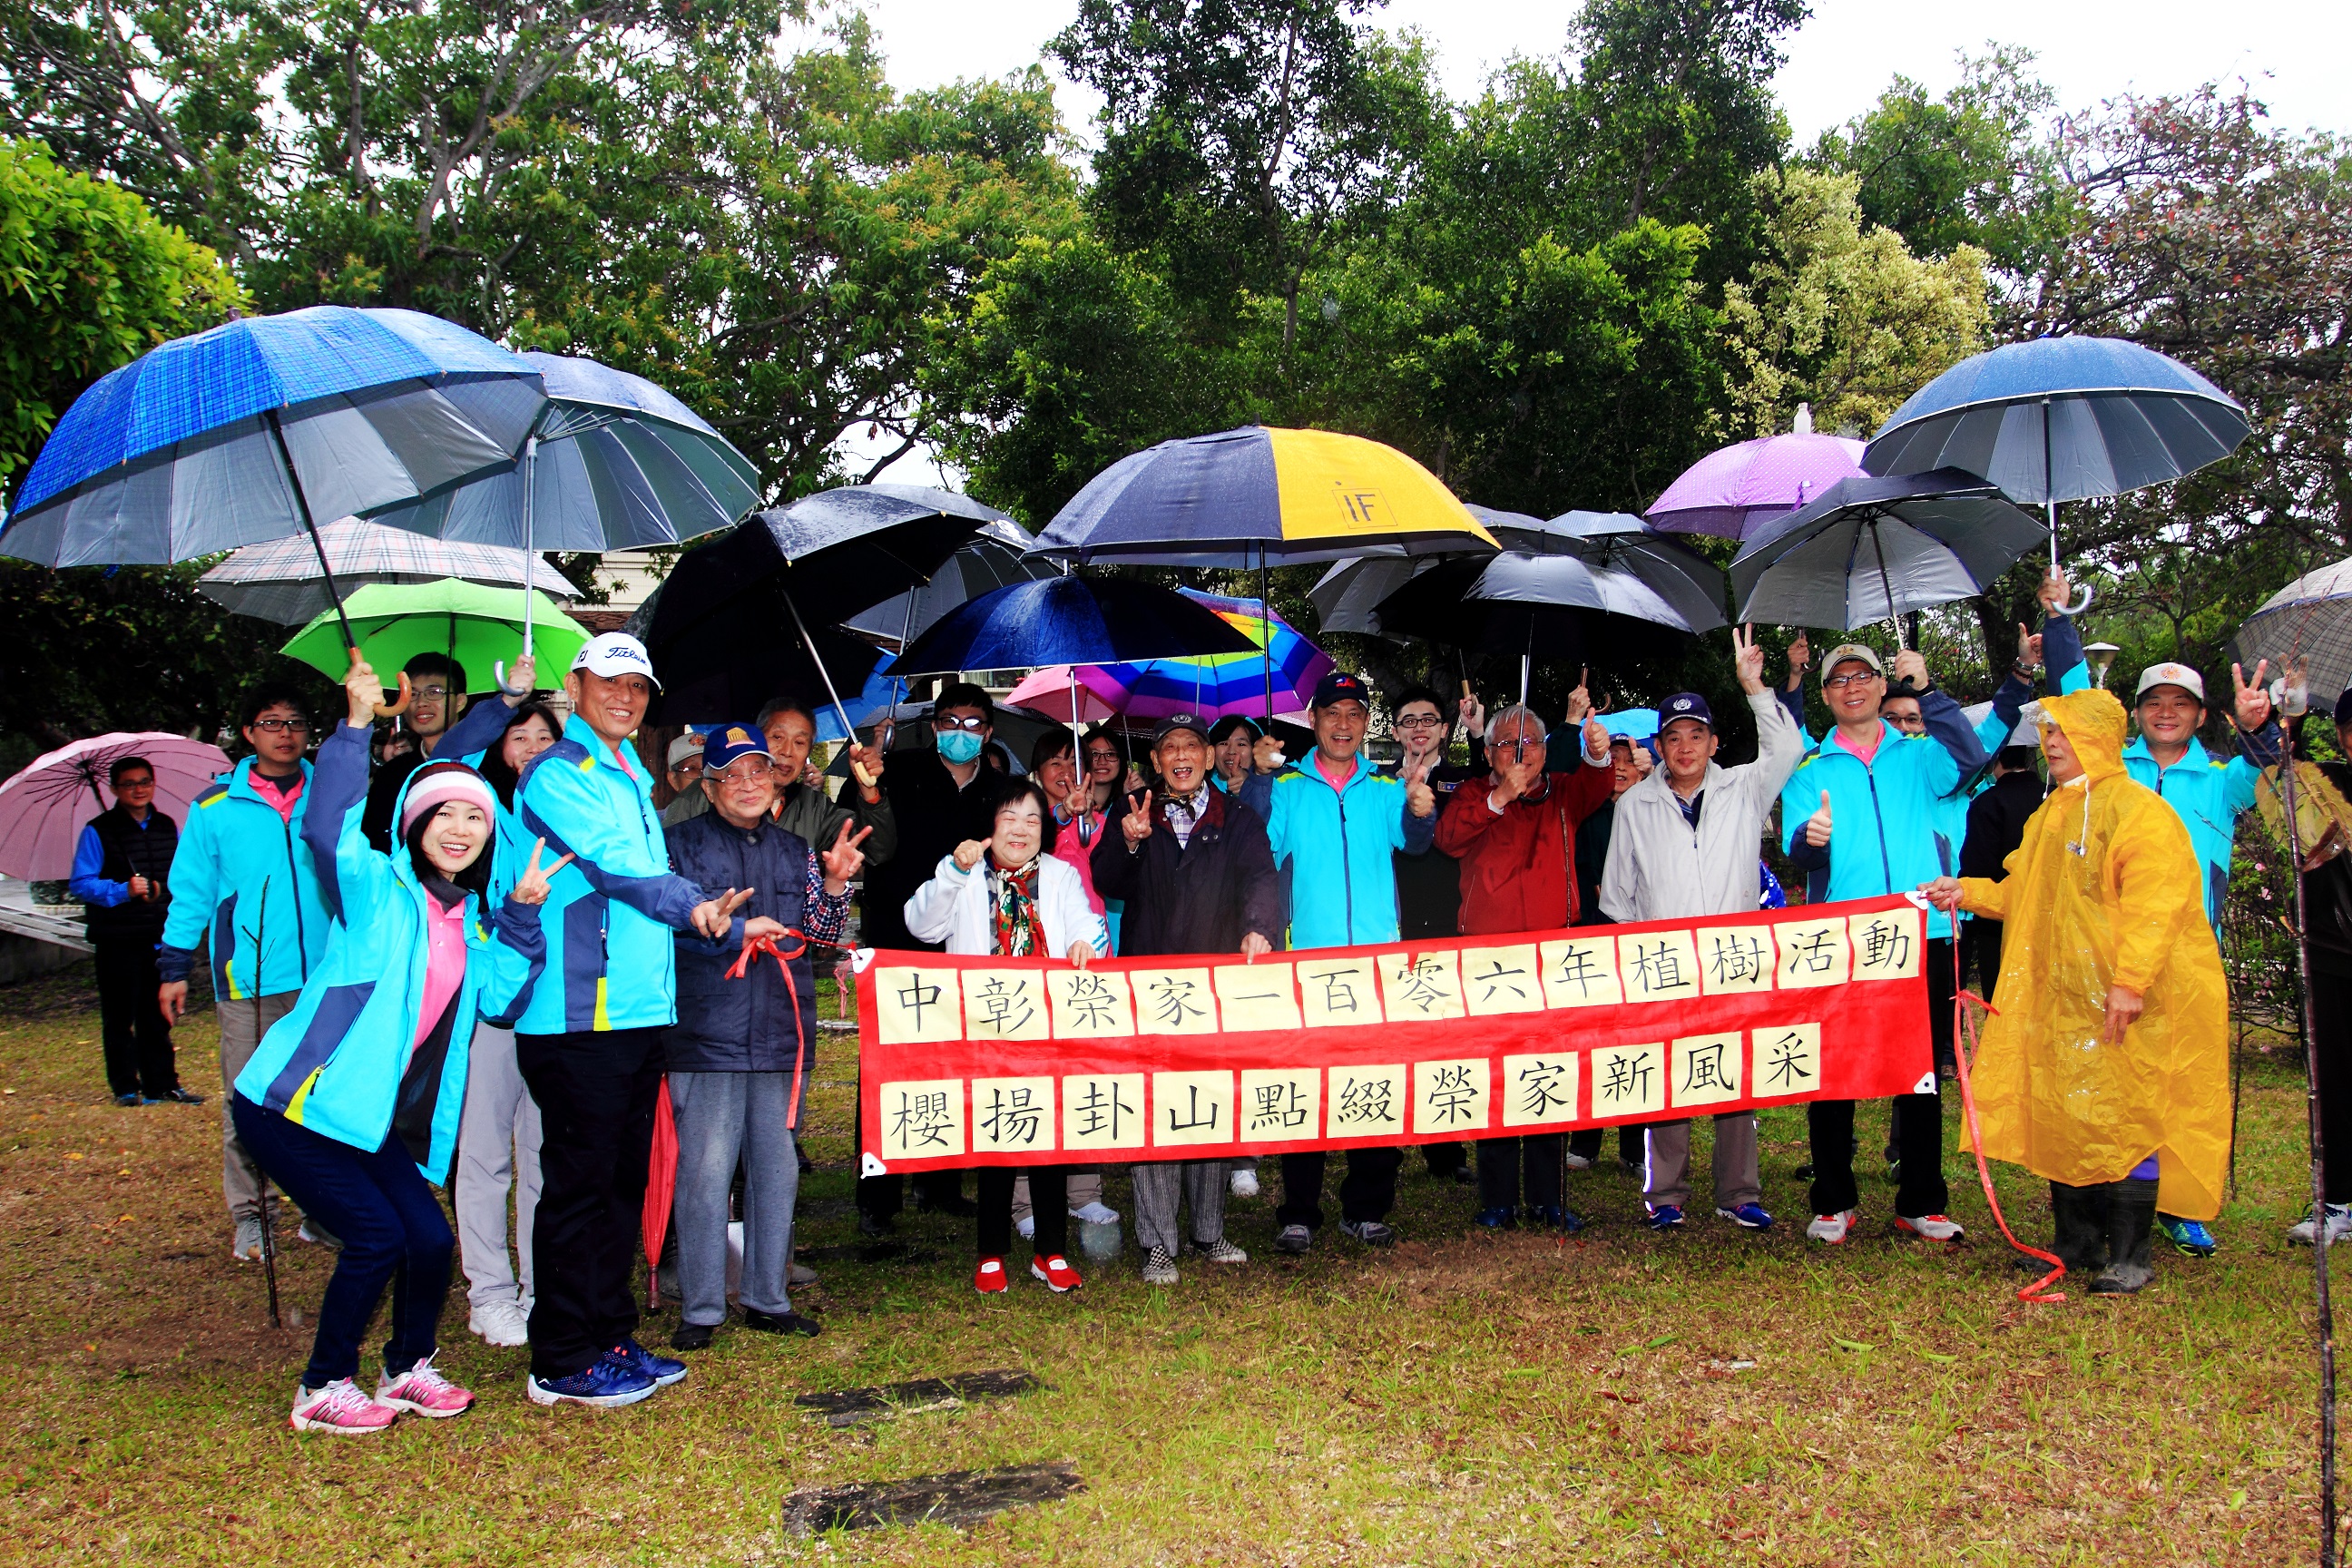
1071	620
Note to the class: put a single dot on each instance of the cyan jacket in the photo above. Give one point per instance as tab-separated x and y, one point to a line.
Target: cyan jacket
246	873
1338	847
611	913
340	1063
469	740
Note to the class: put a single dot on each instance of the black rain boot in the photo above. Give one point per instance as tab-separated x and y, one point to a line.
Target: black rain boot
2078	1230
2131	1233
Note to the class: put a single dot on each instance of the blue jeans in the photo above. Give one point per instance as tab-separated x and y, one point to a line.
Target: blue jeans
393	1231
724	1117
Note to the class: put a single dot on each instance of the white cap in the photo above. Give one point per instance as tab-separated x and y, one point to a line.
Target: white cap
2179	675
614	653
686	746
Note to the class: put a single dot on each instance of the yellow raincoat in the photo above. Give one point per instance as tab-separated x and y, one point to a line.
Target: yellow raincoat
2106	889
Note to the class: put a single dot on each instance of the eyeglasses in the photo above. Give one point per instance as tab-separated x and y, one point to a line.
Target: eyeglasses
1859	678
282	726
751	770
429	690
1419	722
121	784
974	721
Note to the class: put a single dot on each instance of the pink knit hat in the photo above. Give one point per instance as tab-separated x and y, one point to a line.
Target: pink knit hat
435	784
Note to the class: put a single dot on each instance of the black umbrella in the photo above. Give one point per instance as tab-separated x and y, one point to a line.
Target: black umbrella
1445	603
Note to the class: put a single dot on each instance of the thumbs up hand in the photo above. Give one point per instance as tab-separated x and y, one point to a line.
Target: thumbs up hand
1817	826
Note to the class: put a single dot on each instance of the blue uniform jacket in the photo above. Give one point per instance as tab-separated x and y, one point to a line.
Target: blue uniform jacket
1338	847
246	873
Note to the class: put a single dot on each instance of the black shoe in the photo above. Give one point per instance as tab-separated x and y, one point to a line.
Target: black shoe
875	1224
1803	1172
1464	1176
959	1206
782	1323
693	1336
130	1099
181	1097
808	1166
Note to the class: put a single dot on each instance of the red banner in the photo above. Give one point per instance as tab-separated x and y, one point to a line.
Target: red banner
1029	1061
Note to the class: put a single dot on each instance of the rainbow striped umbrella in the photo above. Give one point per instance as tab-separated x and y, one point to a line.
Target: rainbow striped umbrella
1212	688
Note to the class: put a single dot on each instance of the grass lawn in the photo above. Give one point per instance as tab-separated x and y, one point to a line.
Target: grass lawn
1466	1398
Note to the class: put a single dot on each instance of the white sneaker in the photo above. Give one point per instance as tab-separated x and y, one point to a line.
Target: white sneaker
1833	1227
1576	1162
1221	1251
1159	1268
499	1323
1932	1226
246	1248
340	1408
2339	1225
1028	1226
1245	1183
1095	1213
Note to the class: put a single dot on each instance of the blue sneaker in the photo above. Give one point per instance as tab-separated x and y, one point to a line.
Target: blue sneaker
603	1383
1663	1216
664	1369
1555	1218
1748	1216
1497	1219
2188	1236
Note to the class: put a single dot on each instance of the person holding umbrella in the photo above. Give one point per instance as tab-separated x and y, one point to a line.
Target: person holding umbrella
789	726
436	685
121	874
243	875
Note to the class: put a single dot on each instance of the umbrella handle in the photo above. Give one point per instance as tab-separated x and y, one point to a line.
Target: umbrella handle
498	670
391	710
2071	611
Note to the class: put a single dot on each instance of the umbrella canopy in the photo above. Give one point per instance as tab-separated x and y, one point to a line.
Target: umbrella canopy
1069	694
2061	419
1873	549
1255	495
1525	605
44	808
998	555
1620	541
614	463
254	429
2310	618
1071	620
1210	688
479	627
280	581
1734	491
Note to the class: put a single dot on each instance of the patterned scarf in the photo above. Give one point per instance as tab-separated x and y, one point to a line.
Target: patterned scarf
1015	909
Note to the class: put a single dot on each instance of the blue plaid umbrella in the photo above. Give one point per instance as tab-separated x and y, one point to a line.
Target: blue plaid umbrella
251	431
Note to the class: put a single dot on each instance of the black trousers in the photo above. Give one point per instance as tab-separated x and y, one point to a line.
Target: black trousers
1443	1159
1049	1195
1585	1143
1498	1170
2331	1030
136	1034
1919	1140
884	1197
596	1092
1367	1192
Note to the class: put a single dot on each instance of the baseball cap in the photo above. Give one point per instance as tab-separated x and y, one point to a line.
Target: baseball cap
1175	721
728	742
1851	650
686	746
1685	705
609	654
1341	687
2169	674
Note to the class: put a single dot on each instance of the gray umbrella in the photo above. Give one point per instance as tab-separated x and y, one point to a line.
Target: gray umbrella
1620	541
1875	549
991	561
2311	619
281	581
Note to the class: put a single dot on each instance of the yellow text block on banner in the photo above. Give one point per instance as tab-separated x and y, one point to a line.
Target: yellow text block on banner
1421	986
1102	1110
922	1118
1658	966
1581	971
1733	959
1450	1095
1813	952
1005	1004
1629	1080
1334	992
1540	1089
1191	1108
1089	1004
1261	995
918	1007
1281	1102
1786	1060
1013	1115
1885	946
1174	1001
1367	1102
1704	1071
1502	980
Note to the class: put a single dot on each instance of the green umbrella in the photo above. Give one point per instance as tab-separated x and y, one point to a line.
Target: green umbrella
475	625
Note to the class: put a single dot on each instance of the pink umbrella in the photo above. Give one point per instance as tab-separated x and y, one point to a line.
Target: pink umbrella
44	808
1734	491
1069	694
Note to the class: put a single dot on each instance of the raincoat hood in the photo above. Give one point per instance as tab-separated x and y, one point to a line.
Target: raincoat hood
2095	726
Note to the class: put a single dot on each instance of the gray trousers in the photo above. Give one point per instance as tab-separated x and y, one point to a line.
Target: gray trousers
242	1025
498	1149
1159	1184
1084	1187
722	1116
1666	1174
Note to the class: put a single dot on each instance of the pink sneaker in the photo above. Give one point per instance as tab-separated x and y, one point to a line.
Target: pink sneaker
423	1391
341	1408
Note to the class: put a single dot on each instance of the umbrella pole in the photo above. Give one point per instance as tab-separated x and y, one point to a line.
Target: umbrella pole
823	674
2326	1311
1265	624
302	504
1886	583
530	561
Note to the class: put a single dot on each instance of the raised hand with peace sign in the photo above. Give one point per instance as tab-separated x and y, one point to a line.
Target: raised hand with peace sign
533	888
1136	823
714	917
1419	798
1748	659
2253	699
845	859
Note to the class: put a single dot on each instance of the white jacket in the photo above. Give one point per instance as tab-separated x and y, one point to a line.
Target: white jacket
955	907
1660	869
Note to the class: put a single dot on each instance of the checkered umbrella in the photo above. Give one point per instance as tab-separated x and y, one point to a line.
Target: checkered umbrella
2310	618
280	581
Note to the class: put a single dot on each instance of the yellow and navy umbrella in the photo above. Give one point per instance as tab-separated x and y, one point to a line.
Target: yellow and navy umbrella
1255	497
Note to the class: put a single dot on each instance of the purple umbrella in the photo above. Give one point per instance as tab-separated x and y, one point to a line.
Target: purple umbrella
1740	488
42	809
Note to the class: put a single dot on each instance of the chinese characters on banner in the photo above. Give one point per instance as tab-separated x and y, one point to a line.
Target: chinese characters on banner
1028	1062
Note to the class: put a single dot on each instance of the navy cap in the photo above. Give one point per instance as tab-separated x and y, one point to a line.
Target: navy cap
1340	687
728	742
1175	721
1685	705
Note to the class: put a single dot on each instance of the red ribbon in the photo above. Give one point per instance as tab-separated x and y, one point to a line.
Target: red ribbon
2038	1290
754	946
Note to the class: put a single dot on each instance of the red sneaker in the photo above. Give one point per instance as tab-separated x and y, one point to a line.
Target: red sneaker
1056	1272
990	1279
1932	1226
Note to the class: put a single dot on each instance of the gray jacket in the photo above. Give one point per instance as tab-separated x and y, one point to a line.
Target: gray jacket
1660	869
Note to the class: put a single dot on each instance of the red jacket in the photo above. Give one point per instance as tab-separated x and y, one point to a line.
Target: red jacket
1518	867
